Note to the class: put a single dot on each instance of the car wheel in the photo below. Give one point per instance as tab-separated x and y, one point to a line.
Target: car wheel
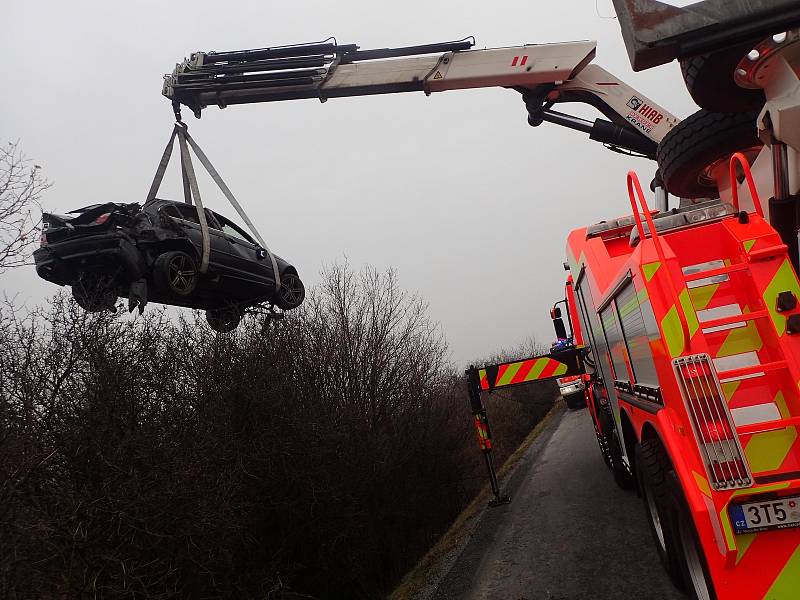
575	401
224	320
654	474
94	294
176	272
697	143
291	293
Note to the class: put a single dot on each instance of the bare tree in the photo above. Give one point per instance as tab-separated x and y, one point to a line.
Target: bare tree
21	187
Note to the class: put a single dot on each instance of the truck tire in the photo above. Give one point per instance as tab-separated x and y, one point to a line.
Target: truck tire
575	401
622	475
653	472
709	79
697	580
698	142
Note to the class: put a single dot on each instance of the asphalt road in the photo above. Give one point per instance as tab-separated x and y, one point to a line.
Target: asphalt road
569	533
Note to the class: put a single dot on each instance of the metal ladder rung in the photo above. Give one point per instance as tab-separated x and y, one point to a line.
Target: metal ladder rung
765	253
760	368
768	426
719	271
751	316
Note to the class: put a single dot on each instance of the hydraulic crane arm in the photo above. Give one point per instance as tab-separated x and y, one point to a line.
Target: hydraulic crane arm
544	73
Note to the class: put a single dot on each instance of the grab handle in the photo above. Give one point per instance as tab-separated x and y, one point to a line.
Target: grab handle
748	175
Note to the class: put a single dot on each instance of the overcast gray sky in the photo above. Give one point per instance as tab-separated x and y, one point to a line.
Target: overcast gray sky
470	204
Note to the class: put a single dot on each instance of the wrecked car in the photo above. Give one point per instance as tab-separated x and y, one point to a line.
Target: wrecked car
153	253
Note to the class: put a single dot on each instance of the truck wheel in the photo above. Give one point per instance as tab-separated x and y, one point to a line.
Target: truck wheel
176	272
698	142
224	320
709	79
622	476
653	472
697	580
575	401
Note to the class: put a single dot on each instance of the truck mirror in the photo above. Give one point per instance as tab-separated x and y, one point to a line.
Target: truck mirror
555	313
561	331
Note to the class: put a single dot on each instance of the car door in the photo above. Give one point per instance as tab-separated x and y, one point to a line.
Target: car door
221	255
250	264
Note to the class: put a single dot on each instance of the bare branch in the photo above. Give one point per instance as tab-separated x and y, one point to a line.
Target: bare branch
21	188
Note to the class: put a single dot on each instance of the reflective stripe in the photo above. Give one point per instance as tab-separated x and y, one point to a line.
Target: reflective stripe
673	332
650	269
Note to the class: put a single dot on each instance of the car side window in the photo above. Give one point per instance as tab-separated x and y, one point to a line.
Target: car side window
188	212
234	232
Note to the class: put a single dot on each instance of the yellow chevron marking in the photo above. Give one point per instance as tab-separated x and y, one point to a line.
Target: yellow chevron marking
783	281
560	369
726	527
701	296
702	483
537	369
782	407
673	332
650	269
787	583
767	451
729	389
744	542
509	373
741	340
688	310
748	245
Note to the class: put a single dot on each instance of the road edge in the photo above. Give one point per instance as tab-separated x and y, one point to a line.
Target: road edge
424	580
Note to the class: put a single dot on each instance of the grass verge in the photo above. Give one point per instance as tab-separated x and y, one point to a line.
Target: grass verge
430	565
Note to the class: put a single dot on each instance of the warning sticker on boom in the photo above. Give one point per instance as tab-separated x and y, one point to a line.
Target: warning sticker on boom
438	75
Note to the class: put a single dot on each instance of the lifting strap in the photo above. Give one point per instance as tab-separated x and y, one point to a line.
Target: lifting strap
191	191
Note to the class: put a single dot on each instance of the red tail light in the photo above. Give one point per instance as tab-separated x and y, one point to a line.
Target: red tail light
102	218
712	423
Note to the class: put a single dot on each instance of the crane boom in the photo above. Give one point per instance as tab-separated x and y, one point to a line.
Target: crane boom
544	73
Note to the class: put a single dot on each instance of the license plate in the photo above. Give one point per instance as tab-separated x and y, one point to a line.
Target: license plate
766	514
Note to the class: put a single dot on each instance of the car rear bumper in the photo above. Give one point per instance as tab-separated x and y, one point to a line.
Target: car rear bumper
61	262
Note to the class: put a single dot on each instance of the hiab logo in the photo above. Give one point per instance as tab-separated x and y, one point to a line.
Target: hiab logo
635	102
643	110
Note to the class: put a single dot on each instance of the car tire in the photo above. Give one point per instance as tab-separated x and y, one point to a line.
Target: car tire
575	401
176	272
224	320
698	142
292	292
94	294
709	79
655	475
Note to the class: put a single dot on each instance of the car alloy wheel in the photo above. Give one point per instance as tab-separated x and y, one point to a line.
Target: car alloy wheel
176	272
292	292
